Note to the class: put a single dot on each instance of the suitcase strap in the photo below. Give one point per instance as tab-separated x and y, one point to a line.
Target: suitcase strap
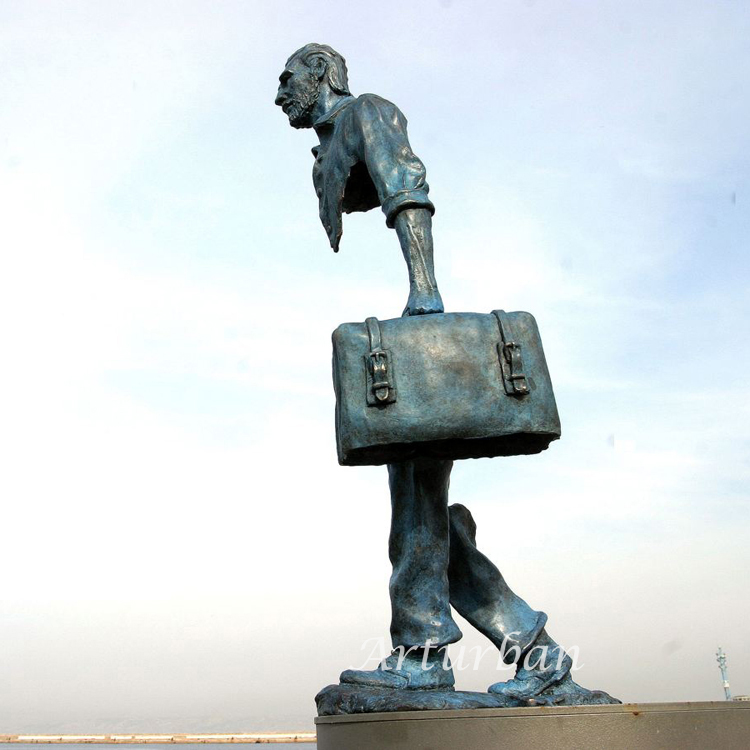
511	360
381	389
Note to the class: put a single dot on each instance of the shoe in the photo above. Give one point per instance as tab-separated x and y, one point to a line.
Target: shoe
530	683
566	692
553	686
409	674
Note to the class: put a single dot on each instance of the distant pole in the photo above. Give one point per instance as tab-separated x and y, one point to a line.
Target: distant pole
721	657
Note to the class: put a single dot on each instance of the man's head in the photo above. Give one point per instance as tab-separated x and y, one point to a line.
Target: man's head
307	71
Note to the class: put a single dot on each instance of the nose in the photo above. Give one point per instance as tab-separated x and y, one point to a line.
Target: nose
280	97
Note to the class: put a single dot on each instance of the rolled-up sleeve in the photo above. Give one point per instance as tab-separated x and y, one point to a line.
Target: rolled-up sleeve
398	174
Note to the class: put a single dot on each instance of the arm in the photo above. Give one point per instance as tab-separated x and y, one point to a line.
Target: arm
399	177
414	230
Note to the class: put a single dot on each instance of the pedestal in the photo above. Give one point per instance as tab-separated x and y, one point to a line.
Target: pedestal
633	726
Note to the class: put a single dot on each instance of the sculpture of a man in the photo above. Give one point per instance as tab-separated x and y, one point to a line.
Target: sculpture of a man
364	160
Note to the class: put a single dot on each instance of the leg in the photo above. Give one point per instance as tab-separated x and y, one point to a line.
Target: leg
481	595
419	549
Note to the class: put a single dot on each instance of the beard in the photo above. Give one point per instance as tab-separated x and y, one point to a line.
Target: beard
301	107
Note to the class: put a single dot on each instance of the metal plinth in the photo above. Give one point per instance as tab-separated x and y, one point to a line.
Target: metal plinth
633	726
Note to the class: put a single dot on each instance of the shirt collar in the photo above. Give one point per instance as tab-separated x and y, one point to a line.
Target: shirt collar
333	112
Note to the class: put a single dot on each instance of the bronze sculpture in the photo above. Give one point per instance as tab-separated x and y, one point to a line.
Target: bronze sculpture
364	160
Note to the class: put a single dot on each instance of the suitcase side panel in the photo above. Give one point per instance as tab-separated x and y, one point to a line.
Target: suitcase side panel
350	342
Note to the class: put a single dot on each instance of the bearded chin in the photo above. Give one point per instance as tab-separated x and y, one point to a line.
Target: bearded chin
300	113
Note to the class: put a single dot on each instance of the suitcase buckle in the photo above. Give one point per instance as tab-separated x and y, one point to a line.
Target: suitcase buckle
381	388
514	370
511	361
381	382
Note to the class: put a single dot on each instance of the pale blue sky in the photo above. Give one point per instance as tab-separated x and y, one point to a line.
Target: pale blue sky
181	550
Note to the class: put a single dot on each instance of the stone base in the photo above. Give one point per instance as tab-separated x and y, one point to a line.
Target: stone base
634	726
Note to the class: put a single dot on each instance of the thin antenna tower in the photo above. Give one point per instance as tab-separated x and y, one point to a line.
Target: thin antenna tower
721	657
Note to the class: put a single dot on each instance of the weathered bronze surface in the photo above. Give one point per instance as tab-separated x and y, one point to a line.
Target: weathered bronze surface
335	700
453	368
364	160
415	393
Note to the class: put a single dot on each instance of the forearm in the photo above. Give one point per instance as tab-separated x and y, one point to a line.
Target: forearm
414	230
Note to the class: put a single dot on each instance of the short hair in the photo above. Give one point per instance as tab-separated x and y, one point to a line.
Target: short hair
335	64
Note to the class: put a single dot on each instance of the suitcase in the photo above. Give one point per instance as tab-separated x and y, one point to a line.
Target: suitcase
448	385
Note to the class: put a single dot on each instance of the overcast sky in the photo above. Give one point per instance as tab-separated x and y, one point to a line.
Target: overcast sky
180	550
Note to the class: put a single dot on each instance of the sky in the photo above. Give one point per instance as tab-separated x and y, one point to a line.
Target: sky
180	549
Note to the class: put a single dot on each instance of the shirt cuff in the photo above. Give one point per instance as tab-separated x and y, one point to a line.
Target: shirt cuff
405	199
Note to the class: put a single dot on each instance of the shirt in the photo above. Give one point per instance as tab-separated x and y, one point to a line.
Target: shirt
364	160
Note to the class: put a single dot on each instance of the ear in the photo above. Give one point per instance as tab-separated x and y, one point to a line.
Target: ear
318	67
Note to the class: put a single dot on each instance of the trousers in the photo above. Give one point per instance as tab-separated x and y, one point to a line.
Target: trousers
436	565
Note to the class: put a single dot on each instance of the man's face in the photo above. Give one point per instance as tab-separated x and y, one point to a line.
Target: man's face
298	93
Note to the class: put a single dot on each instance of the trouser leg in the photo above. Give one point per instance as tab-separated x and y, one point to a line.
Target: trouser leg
419	549
479	593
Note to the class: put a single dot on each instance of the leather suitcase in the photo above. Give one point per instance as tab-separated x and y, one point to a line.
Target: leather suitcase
449	385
